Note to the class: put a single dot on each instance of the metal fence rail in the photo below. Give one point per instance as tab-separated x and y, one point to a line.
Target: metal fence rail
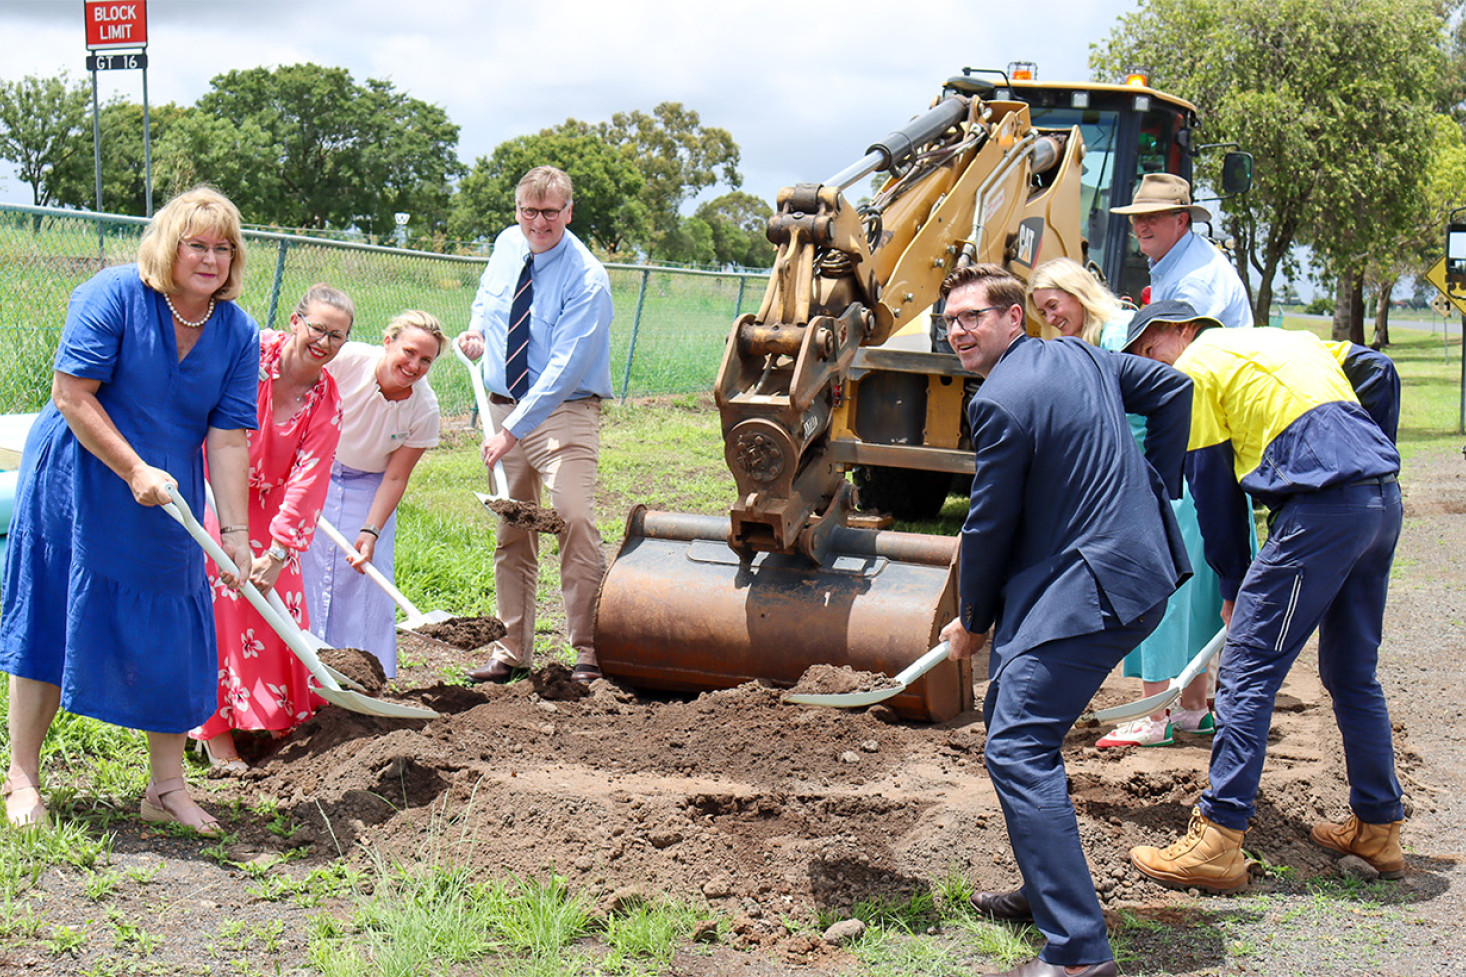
667	337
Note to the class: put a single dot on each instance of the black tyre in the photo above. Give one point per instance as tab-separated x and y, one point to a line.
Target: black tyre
904	493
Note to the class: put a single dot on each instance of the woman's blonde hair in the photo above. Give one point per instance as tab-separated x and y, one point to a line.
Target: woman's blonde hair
1068	275
202	210
417	319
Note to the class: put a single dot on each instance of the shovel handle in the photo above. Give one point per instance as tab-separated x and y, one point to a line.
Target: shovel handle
286	628
476	380
377	577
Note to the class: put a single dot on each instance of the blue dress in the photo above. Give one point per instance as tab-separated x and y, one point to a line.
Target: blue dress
104	597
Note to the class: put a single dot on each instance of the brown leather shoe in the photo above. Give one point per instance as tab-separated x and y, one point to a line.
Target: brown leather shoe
495	671
1042	968
585	673
1377	844
1007	907
1209	858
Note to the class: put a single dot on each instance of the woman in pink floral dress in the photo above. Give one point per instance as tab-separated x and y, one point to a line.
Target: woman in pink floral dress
262	685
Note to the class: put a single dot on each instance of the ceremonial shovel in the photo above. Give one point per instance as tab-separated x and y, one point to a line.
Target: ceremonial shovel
284	625
1152	704
854	700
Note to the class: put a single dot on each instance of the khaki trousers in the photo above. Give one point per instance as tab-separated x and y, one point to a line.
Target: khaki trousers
560	455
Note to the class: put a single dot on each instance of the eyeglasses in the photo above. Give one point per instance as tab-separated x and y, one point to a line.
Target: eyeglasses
221	251
967	319
548	213
319	333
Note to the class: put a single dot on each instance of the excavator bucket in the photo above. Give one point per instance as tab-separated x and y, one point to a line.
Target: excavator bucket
679	610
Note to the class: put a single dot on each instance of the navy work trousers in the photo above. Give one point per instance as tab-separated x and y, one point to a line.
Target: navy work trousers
1326	565
1030	707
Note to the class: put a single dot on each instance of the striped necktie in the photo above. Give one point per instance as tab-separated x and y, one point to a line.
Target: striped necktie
516	356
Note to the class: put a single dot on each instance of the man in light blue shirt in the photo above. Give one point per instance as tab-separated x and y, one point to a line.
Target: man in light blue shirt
1184	266
548	436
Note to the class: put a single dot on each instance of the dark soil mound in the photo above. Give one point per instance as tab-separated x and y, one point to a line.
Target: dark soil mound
467	633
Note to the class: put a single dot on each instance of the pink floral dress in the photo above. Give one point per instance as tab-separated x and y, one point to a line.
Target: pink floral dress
262	685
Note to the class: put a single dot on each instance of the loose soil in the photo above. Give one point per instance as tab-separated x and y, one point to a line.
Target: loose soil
765	810
362	667
528	515
466	633
838	680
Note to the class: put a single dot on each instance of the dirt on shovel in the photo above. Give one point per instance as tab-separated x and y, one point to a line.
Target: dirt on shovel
528	515
362	667
840	679
466	633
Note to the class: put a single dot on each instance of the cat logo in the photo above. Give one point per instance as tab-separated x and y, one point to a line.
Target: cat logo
1028	242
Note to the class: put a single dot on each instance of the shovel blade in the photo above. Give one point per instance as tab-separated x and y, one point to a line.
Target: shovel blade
367	706
856	700
426	617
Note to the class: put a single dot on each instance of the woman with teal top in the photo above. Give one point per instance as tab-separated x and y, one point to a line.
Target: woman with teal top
1071	301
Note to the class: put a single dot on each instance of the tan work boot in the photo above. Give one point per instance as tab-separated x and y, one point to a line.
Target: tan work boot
1209	858
1377	844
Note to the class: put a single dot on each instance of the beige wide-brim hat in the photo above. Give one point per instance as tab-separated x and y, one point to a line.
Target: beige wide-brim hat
1162	191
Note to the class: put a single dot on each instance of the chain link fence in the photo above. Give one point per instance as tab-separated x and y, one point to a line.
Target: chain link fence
667	337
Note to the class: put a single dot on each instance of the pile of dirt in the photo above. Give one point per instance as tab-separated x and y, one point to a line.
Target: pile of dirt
838	680
467	633
528	515
362	667
758	806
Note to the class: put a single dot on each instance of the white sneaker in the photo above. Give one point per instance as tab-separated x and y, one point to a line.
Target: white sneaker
1138	732
1198	722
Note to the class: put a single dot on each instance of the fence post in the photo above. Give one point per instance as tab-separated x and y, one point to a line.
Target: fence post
738	306
635	328
276	285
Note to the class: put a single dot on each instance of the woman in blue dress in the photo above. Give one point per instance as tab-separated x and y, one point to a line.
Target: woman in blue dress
1070	300
107	611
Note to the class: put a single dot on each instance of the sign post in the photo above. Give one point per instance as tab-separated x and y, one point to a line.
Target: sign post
1455	293
110	25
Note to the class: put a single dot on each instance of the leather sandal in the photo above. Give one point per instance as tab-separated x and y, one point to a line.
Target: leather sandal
234	765
34	816
155	808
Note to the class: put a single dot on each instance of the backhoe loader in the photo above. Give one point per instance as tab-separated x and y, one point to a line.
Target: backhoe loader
838	369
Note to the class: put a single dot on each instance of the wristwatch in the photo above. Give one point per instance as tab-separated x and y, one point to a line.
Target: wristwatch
278	553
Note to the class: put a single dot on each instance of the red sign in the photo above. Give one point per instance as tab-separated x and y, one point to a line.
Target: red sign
117	24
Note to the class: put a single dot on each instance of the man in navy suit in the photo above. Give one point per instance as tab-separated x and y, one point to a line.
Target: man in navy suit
1069	551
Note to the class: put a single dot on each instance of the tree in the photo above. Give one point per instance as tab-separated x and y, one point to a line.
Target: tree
608	208
1419	243
1337	144
320	150
739	223
124	175
41	122
678	156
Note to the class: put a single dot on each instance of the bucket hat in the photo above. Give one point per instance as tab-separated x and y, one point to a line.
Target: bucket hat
1170	312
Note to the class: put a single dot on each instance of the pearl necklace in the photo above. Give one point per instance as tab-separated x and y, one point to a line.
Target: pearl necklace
184	322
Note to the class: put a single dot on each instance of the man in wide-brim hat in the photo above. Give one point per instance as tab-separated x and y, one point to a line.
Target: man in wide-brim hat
1184	266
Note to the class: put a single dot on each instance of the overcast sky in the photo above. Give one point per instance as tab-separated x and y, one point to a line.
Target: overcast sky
803	85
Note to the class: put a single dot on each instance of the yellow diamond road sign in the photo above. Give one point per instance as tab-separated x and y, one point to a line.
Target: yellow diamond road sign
1456	294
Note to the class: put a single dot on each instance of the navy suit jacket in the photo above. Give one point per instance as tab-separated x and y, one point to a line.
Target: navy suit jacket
1070	526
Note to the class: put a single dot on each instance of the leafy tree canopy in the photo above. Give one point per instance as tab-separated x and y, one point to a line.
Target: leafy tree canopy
729	230
608	213
41	122
678	156
124	173
1333	97
305	146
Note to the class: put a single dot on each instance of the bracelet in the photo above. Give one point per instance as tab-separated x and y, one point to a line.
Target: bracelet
226	530
373	530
